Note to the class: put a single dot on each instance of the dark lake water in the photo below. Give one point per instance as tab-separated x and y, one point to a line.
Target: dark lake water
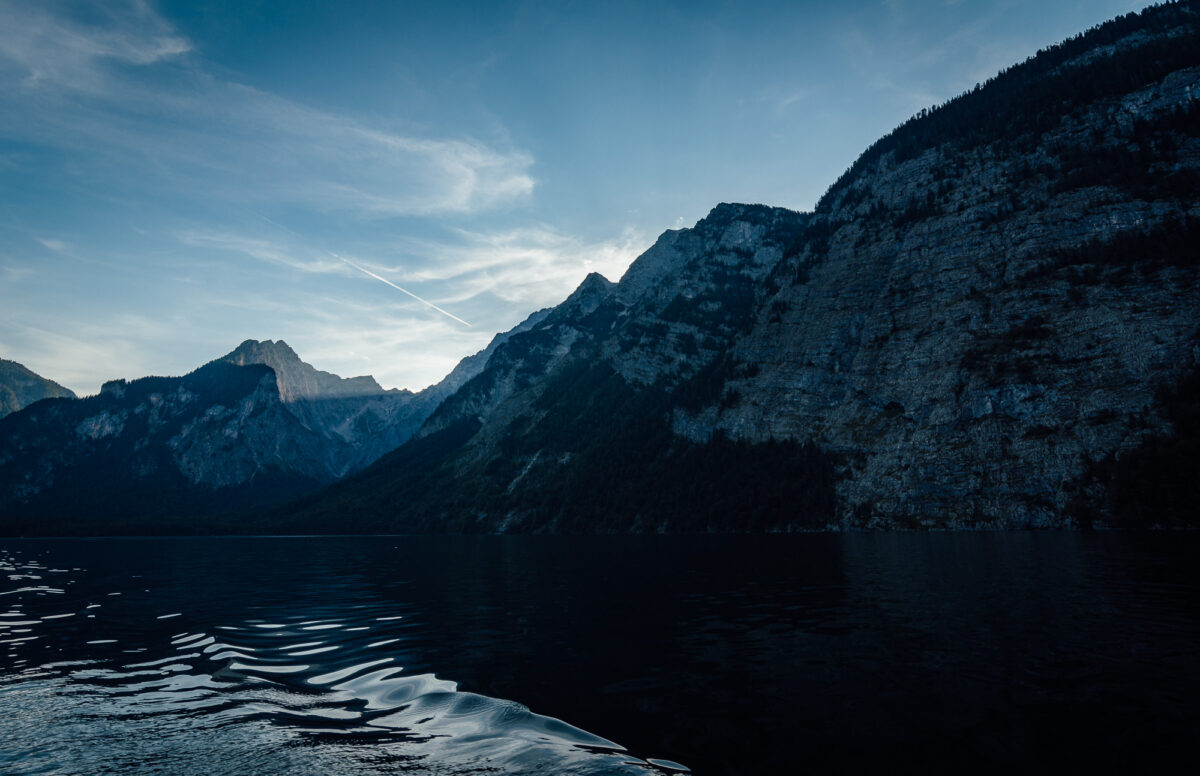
723	655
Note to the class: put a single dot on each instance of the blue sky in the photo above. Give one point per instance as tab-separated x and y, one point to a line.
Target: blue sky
177	176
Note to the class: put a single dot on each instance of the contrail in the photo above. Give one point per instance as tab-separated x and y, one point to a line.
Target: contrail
366	271
426	302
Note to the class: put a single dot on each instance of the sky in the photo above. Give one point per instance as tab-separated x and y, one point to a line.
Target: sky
385	185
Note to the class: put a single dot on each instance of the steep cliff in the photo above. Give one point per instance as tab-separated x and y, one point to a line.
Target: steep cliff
975	328
995	293
20	387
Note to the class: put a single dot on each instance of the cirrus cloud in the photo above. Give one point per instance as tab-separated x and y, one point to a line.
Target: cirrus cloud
118	88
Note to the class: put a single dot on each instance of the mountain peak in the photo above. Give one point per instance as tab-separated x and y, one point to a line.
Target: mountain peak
297	379
255	350
590	293
594	285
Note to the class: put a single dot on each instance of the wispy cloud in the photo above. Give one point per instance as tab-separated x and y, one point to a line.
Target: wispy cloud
525	268
67	83
534	266
56	49
265	250
12	273
56	245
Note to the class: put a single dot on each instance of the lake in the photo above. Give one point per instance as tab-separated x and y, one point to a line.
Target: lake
601	655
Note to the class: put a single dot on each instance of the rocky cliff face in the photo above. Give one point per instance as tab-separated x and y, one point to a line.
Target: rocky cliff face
19	387
994	299
987	310
675	311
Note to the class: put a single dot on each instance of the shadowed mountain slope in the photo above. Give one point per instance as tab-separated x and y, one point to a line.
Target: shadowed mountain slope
159	454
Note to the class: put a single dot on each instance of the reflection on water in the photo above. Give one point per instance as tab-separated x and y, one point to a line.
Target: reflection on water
150	656
732	655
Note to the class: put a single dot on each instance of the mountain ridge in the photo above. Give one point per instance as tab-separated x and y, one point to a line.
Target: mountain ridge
193	454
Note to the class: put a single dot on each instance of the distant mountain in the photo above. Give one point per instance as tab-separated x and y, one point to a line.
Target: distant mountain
251	429
358	420
991	320
20	387
298	381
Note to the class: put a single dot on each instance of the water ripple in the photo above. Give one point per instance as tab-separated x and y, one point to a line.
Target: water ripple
296	690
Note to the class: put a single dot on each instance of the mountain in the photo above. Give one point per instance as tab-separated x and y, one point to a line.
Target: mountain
249	430
357	419
19	387
991	320
158	455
